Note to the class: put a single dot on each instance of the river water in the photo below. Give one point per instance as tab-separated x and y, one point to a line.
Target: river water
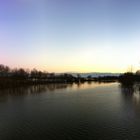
89	111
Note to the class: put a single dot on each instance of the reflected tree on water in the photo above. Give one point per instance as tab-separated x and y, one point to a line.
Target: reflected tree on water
131	92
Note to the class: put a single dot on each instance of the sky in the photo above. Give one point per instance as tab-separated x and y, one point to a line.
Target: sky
70	35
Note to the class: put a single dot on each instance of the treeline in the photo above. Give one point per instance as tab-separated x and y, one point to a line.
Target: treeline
106	78
17	76
129	78
34	74
20	76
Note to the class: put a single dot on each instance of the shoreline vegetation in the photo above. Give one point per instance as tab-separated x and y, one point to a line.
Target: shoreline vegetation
17	77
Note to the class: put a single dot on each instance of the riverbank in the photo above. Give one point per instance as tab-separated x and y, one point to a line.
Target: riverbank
18	77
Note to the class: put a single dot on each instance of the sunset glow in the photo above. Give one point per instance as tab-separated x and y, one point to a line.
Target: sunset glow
70	36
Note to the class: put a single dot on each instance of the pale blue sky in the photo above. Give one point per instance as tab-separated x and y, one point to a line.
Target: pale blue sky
70	35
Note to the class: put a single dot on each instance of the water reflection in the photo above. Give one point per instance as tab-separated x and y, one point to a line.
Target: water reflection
90	111
131	92
34	89
37	89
